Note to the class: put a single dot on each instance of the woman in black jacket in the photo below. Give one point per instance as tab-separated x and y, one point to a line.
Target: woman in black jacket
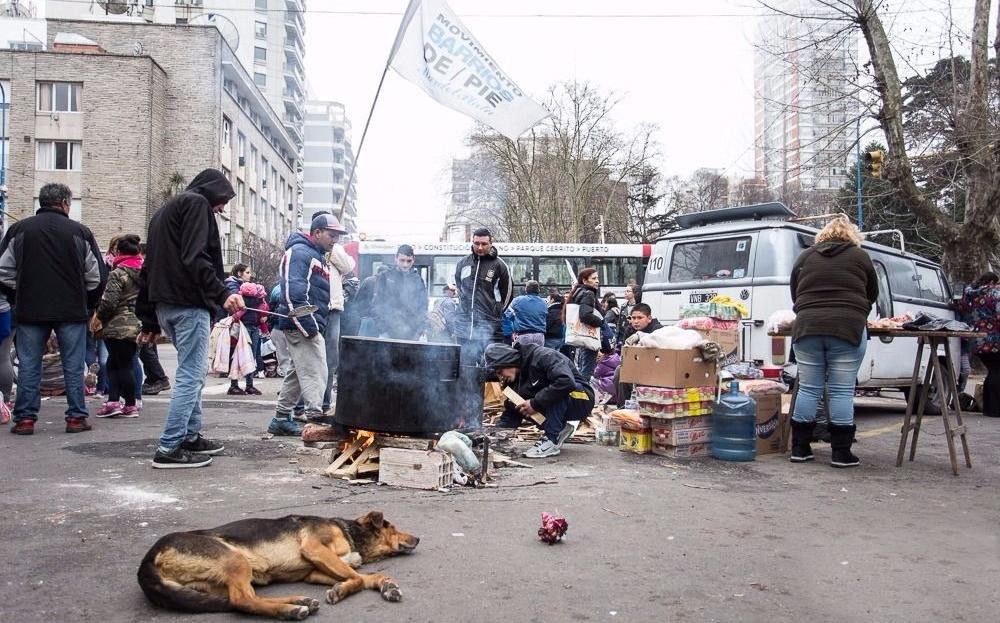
584	294
833	288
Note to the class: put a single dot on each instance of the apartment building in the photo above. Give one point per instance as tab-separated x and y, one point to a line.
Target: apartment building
803	104
267	37
126	114
327	163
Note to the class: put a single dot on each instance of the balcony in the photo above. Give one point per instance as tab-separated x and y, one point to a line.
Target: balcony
295	23
296	5
292	73
291	45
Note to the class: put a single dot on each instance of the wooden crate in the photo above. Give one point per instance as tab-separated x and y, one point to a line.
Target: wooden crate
417	469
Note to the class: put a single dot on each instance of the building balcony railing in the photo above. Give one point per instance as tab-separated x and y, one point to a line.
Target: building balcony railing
291	71
294	21
293	46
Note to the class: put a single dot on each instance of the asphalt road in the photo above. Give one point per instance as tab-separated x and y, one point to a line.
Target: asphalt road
649	539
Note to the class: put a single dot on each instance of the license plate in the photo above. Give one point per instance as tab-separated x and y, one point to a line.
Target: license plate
703	298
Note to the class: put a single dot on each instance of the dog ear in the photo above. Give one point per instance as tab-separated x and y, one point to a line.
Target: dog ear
373	519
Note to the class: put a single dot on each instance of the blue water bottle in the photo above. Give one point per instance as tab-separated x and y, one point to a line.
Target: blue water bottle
734	426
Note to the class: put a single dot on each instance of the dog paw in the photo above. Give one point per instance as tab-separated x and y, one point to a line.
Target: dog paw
296	613
391	592
309	602
333	595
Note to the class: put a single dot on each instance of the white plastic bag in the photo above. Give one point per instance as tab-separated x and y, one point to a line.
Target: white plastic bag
672	338
460	447
781	320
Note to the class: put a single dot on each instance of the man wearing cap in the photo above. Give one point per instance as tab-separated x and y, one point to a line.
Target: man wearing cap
340	265
550	385
305	298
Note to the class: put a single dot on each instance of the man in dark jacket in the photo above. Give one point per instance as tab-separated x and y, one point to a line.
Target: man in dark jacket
528	313
305	281
180	290
550	385
52	272
484	291
399	304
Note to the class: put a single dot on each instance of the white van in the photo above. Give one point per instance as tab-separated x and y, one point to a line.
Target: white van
748	252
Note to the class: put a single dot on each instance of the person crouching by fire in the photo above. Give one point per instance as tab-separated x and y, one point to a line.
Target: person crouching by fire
550	385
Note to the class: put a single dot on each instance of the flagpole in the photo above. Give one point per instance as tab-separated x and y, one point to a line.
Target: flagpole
407	16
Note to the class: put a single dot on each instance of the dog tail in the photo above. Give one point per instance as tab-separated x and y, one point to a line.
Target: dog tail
173	596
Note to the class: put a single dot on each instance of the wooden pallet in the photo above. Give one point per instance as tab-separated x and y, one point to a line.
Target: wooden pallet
359	459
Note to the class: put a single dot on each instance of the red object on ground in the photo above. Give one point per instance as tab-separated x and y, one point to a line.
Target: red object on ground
553	528
771	372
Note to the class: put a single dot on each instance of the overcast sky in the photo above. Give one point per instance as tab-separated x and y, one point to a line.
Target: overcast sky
685	66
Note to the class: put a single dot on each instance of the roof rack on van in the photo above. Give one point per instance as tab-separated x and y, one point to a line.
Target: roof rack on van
757	212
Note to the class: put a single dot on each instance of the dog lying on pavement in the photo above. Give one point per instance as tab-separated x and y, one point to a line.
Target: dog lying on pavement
214	570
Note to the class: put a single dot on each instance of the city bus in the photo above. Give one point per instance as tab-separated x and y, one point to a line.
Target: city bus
551	264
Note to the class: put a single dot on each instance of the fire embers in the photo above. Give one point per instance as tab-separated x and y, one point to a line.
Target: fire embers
553	528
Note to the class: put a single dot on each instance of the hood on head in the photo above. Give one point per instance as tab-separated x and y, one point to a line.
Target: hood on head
298	237
833	247
502	356
213	186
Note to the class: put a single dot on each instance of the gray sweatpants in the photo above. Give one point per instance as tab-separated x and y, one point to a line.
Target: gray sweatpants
307	378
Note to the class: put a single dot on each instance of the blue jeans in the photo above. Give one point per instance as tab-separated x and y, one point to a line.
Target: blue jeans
190	329
31	339
823	358
573	408
586	361
332	337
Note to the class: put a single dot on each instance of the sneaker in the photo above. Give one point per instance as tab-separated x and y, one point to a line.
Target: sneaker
542	448
151	389
77	425
24	427
235	391
299	416
252	391
128	411
566	432
179	458
200	445
284	427
110	409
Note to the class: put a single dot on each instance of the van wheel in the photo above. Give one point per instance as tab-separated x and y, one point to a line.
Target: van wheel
933	406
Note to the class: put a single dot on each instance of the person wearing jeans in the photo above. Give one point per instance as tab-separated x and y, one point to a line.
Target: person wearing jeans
331	339
340	265
52	265
833	287
180	289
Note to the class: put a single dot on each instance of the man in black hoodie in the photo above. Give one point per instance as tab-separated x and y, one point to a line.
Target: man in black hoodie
181	289
484	291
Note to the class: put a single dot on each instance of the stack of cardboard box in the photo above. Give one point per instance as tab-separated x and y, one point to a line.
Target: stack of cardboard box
675	390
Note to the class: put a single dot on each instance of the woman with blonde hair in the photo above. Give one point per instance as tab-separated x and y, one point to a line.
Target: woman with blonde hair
833	288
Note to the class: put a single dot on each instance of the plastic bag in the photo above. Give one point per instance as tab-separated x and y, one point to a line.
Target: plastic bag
763	387
744	370
781	320
459	446
673	338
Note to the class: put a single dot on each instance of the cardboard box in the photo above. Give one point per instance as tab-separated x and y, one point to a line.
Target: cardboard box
681	423
666	368
680	436
727	339
772	425
640	442
682	452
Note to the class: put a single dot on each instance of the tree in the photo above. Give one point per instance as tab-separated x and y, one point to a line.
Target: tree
264	258
952	114
647	219
560	180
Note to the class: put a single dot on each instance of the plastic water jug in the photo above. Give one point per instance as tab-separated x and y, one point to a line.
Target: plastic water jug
734	426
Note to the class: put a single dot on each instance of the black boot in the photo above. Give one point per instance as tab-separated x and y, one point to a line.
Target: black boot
841	438
802	434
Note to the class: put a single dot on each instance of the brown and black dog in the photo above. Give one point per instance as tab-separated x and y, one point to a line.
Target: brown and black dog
214	570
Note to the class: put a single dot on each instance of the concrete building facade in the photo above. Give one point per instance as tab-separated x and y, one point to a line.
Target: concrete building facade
267	36
327	162
136	114
803	108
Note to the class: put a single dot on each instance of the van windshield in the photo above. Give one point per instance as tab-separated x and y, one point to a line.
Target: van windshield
710	259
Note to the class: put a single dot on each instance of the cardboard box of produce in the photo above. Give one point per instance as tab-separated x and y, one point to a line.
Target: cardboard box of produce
681	452
772	425
662	367
680	436
728	341
640	442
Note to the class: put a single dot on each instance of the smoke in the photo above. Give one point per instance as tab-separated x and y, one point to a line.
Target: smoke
407	387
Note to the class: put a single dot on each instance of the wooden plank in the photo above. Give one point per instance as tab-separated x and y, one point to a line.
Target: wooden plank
911	402
345	455
407	443
514	397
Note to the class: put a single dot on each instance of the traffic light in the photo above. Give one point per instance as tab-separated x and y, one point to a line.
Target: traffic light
874	161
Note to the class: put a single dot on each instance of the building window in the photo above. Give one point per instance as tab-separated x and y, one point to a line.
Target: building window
241	146
259	55
241	193
59	156
260	5
59	97
253	158
227	131
227	173
260	29
260	79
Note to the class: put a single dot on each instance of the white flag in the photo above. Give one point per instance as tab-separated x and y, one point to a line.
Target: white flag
435	51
